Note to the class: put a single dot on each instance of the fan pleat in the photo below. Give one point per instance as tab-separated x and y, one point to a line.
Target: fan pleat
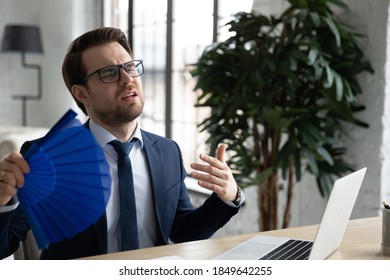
41	177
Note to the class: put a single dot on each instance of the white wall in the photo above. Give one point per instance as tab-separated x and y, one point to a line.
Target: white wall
60	21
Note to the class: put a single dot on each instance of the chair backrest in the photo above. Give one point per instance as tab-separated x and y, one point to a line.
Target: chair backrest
28	249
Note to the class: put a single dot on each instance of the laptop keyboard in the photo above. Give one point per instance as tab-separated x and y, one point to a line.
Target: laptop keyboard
290	250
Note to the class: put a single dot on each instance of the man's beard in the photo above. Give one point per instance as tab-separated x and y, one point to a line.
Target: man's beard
116	116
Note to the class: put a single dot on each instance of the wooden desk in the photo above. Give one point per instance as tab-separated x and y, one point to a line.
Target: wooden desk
362	240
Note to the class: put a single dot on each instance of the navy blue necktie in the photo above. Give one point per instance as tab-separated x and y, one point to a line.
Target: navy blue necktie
128	213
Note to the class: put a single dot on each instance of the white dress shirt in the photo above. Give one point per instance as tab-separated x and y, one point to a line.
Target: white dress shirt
146	219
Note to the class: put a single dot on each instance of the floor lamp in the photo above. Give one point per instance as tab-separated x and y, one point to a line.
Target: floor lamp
24	38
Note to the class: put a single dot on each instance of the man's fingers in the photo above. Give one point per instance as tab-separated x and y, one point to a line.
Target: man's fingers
216	169
221	152
13	164
15	158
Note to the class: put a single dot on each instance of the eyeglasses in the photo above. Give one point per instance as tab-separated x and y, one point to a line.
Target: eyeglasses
112	73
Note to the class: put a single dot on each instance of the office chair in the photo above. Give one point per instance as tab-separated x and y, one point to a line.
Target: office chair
28	249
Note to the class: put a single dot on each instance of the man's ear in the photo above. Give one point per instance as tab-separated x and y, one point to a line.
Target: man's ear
80	93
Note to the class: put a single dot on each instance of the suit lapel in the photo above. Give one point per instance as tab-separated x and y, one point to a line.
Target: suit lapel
157	174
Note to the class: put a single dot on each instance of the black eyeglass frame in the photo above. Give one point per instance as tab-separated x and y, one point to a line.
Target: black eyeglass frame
119	66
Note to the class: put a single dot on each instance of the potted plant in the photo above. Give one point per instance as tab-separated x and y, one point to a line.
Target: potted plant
282	92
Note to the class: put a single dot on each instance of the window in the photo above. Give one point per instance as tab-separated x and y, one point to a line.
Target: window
170	36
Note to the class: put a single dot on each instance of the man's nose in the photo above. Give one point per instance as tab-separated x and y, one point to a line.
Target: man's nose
125	76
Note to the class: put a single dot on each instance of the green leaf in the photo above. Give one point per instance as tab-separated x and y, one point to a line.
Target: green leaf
325	155
329	21
329	77
339	86
311	161
264	175
313	54
316	19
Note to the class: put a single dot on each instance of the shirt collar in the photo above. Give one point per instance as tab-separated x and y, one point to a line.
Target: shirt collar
103	137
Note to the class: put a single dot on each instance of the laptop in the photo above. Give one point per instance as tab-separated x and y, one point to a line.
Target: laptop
329	233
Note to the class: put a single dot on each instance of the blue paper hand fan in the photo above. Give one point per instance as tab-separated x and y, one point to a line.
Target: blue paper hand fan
69	183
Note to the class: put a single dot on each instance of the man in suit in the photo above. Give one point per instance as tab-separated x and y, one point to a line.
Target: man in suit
104	80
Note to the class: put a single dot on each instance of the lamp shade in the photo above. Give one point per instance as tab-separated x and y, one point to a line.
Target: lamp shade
23	38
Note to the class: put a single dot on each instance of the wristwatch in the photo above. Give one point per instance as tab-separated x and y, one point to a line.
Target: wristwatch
237	200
